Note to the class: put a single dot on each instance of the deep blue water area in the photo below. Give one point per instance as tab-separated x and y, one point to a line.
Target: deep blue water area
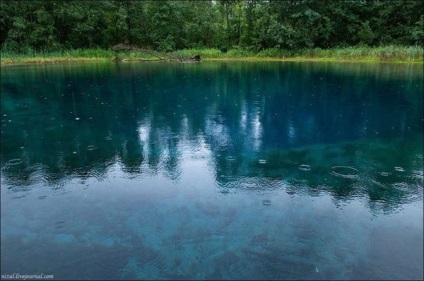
212	170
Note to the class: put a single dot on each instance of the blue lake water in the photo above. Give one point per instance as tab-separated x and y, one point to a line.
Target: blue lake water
212	171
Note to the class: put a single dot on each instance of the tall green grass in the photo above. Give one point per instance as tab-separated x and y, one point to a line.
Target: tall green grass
387	53
72	55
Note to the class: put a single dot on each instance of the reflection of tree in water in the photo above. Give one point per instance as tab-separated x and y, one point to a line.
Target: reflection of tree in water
346	171
71	122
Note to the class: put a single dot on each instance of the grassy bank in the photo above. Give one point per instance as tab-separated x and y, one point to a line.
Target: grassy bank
79	55
388	53
378	54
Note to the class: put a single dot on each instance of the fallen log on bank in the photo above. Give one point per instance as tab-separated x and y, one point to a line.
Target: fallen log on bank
122	47
159	55
195	58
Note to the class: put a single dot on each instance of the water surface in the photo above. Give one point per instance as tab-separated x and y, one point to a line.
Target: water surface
212	171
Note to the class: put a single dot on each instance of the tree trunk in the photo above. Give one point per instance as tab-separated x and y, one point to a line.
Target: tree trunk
228	24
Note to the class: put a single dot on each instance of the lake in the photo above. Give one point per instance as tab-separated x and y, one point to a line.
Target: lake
212	170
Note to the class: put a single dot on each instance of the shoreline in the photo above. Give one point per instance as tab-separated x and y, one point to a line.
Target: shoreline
387	54
39	61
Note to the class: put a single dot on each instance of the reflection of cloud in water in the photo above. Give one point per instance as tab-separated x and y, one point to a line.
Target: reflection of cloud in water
257	132
218	132
240	128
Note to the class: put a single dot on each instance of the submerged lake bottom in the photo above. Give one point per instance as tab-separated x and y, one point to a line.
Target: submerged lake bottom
212	171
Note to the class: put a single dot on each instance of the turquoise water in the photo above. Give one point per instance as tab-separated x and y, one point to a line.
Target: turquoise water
212	171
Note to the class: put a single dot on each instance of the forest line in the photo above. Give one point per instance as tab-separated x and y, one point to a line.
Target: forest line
348	30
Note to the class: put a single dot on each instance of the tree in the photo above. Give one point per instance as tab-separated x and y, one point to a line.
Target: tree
365	34
171	25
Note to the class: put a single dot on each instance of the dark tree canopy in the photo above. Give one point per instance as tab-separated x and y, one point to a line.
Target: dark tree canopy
172	25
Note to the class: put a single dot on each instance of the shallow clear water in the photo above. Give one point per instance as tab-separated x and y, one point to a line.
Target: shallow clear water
212	171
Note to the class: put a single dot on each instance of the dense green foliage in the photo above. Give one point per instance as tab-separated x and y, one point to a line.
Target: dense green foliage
28	26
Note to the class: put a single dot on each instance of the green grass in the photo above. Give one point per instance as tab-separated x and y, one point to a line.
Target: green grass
388	53
371	54
78	55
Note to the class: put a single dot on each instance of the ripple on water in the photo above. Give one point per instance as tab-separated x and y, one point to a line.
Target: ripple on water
248	184
376	182
91	147
304	167
14	162
399	169
230	185
416	178
262	161
266	202
230	158
346	172
401	185
19	196
198	156
59	225
418	174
